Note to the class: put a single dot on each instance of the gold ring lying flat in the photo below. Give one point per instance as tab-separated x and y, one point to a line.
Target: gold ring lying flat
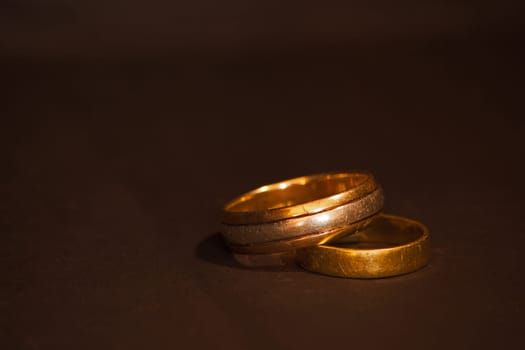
328	220
389	246
298	197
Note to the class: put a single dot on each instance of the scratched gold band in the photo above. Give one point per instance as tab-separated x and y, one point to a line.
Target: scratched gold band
303	241
389	246
298	197
320	222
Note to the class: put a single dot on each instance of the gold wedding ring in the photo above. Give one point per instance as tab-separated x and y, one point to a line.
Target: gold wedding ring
328	223
301	241
390	245
300	212
298	197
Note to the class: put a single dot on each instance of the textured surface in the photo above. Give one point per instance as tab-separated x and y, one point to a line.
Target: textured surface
331	219
114	170
296	197
404	247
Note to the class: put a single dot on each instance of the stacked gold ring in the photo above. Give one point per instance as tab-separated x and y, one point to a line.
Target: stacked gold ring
300	212
298	197
389	246
329	223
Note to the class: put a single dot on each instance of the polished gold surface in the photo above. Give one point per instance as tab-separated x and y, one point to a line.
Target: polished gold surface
298	197
301	241
389	246
328	220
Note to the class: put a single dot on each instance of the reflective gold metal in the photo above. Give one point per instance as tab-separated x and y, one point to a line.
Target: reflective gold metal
298	197
389	246
327	220
301	241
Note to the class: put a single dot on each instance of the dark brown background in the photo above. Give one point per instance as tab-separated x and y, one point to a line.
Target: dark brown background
126	126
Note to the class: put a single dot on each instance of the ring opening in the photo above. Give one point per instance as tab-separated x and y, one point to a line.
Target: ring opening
381	233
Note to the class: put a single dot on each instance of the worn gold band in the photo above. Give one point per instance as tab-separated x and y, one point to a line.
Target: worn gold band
301	241
298	197
390	245
324	221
